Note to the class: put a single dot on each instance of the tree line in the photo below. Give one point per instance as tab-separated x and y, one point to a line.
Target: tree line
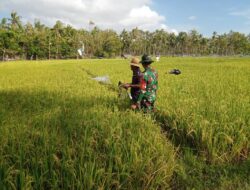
38	41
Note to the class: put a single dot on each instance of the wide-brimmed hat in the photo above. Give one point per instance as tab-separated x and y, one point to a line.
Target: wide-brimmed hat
146	59
135	62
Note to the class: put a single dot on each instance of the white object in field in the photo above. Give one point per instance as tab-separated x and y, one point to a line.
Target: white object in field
103	79
157	58
124	93
130	96
80	52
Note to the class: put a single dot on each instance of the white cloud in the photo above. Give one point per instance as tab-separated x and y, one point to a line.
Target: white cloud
192	18
243	13
170	30
142	17
105	13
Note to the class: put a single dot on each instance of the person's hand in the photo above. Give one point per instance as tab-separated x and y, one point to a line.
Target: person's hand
134	106
126	86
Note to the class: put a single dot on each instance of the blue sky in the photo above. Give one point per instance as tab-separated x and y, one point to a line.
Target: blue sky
206	16
172	15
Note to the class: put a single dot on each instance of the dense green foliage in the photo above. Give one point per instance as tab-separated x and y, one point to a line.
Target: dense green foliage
61	130
37	41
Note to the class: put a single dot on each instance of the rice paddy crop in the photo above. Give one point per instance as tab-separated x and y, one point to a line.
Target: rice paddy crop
59	129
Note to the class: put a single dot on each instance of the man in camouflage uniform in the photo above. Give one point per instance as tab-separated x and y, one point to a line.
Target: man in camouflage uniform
148	86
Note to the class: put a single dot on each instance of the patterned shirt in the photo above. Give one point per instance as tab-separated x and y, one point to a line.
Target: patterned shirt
148	85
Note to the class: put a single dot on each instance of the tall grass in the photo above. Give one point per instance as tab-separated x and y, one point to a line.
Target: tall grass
207	107
61	130
210	106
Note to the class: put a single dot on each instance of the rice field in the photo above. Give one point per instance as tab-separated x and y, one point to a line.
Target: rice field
206	107
59	129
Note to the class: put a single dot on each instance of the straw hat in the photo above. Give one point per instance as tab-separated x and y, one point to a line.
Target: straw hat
135	62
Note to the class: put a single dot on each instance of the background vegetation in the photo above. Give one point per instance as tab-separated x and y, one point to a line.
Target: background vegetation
37	41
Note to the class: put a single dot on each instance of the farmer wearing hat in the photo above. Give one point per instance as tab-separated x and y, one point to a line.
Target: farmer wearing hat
135	85
148	86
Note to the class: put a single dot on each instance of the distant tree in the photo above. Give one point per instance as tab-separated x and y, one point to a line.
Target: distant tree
238	43
182	43
195	39
8	44
204	46
38	41
159	41
15	21
4	23
125	42
172	44
57	38
111	43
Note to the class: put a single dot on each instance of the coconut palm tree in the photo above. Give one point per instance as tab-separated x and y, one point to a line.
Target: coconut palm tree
15	21
4	24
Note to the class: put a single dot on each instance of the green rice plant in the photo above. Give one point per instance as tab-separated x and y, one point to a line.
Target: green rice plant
207	107
61	130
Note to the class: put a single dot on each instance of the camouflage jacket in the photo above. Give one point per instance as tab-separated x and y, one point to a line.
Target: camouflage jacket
148	86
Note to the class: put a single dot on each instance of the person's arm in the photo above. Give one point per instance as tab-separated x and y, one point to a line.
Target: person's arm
135	82
127	85
134	85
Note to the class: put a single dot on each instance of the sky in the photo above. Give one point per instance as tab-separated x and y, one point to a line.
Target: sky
171	15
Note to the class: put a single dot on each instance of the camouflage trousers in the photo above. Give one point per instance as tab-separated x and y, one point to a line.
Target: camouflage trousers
147	106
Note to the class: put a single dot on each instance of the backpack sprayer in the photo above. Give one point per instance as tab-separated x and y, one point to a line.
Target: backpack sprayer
175	72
